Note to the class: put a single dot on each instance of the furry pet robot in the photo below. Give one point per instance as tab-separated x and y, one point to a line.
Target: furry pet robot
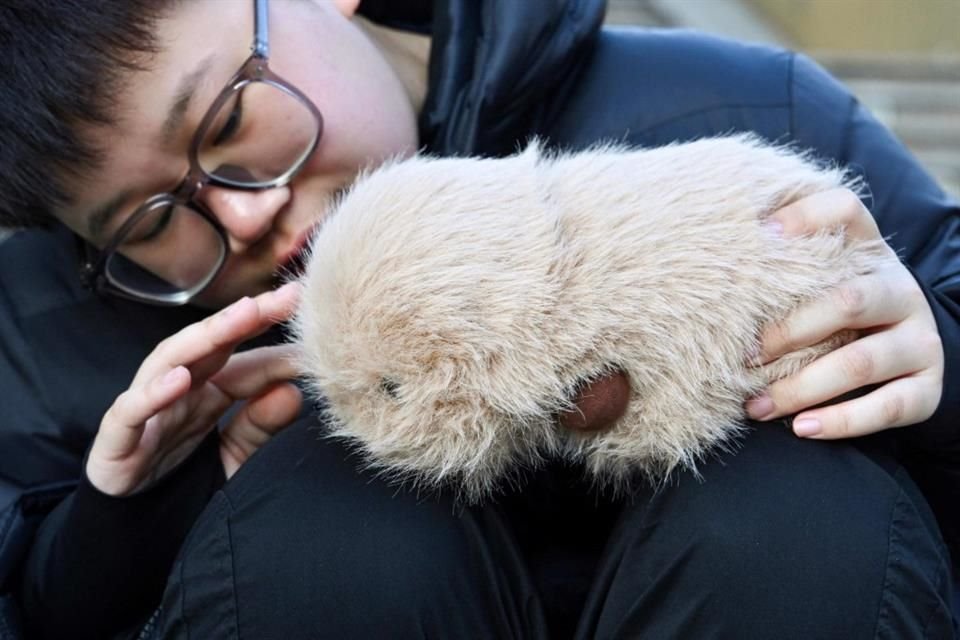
452	306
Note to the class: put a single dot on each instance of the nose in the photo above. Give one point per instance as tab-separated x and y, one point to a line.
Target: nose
247	216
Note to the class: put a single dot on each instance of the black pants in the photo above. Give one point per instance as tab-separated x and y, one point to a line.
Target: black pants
784	539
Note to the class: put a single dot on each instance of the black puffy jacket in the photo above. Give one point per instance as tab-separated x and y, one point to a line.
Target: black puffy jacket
501	71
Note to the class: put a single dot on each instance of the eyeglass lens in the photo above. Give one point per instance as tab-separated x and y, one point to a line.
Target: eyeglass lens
171	249
257	138
240	149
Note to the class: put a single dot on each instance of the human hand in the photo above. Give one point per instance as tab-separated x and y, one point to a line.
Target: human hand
899	349
186	384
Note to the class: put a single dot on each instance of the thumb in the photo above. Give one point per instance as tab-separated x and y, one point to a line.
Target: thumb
259	420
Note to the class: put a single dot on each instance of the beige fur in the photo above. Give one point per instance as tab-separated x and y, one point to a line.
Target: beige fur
452	305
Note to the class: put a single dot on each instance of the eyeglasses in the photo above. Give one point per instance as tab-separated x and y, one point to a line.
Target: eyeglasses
256	135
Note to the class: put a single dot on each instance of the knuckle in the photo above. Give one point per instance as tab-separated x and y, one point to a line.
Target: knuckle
119	408
930	344
849	206
858	365
841	425
851	299
882	287
785	396
164	345
893	410
778	337
208	324
110	416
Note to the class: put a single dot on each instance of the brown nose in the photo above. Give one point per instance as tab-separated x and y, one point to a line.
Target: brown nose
599	404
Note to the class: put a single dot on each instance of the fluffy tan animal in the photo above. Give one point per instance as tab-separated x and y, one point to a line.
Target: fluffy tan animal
451	306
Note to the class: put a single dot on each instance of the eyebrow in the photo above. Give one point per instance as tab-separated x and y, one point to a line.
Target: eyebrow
103	216
182	97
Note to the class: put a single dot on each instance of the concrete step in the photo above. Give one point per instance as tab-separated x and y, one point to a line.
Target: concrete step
918	97
633	12
944	166
935	97
927	131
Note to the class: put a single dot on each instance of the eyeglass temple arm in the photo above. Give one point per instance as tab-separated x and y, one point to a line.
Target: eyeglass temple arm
261	44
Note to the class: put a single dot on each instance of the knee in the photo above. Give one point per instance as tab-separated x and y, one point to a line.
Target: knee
823	512
301	540
349	572
402	562
791	527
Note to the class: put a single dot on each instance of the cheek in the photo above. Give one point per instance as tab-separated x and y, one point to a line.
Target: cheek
239	277
367	113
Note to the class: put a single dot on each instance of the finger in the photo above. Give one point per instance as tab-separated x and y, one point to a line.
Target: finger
215	334
123	424
197	413
280	304
206	345
250	373
899	403
833	209
876	358
258	421
865	302
272	307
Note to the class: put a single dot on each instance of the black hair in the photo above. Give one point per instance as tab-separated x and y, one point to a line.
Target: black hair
63	64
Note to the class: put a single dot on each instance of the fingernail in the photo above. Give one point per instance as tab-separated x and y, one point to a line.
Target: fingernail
806	427
172	377
286	289
760	407
232	309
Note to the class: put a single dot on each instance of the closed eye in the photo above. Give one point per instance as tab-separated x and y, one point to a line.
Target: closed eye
154	231
390	388
233	122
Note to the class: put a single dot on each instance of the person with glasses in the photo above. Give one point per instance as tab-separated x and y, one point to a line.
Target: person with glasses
257	135
182	168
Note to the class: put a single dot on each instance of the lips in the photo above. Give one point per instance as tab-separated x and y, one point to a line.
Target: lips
294	262
292	265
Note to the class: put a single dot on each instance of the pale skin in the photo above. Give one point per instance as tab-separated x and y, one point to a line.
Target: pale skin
190	380
183	388
186	385
900	348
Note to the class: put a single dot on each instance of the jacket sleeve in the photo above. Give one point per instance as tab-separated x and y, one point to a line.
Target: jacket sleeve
98	564
922	223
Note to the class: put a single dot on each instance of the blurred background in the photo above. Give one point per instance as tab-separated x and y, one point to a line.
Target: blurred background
900	57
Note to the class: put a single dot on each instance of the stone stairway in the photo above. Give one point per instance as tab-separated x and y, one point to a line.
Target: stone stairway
918	98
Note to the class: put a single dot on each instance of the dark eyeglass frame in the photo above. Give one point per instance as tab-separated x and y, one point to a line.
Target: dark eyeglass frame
93	266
